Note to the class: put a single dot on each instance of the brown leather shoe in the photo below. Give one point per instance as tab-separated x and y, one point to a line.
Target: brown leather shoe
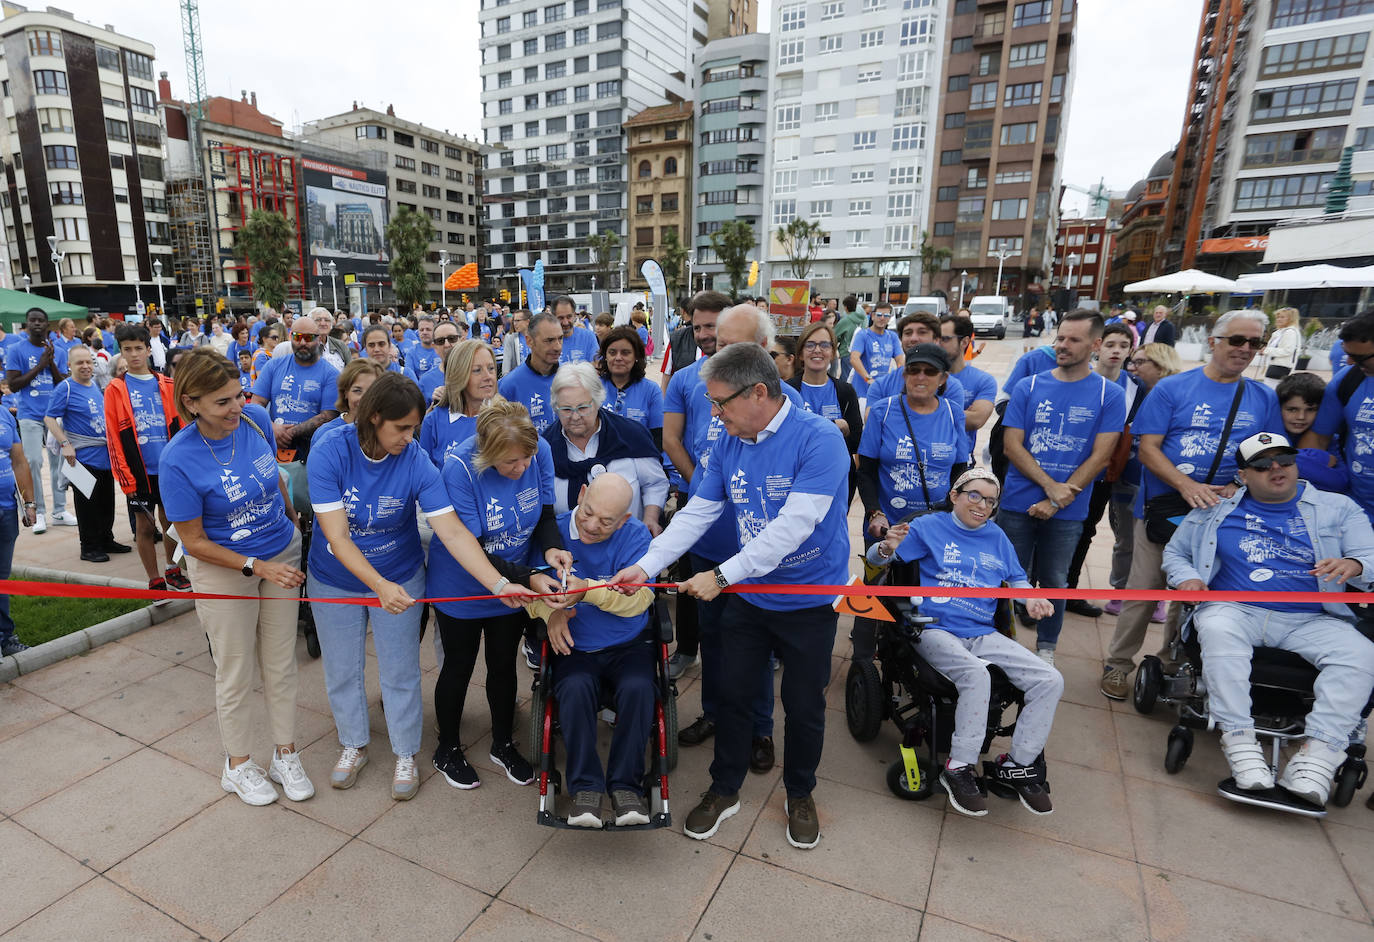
761	757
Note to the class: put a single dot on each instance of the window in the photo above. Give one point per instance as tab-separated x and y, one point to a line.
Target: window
60	157
822	209
832	9
505	106
916	31
901	204
909	137
556	70
826	175
954	119
553	98
869	74
861	207
870	39
1314	55
434	193
1005	243
608	118
370	131
114	130
554	13
858	238
531	73
791	51
555	125
67	194
825	111
1013	134
608	30
873	6
970	209
949	158
1364	139
44	42
1010	209
1056	89
139	66
977	179
669	166
865	140
107	58
609	89
784	211
784	181
1309	145
668	203
909	103
505	133
530	47
903	175
982	95
429	170
503	52
1308	189
645	170
146	134
993	24
644	236
860	175
531	102
792	17
1321	98
1031	14
947	194
1025	94
789	118
49	82
503	25
912	66
897	237
1298	12
1013	176
529	19
1025	54
961	44
405	163
829	44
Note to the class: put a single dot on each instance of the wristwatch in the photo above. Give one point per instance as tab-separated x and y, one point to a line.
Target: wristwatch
721	581
247	567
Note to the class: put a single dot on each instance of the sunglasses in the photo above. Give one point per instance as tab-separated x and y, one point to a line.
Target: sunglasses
1357	360
1264	464
444	341
1236	340
302	338
923	370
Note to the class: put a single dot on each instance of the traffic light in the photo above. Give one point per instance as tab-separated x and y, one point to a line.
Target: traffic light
505	294
753	273
219	305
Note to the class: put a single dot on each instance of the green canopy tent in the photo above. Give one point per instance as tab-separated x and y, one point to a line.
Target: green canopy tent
13	305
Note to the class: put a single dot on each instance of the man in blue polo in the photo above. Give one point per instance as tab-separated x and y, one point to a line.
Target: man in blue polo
531	383
579	343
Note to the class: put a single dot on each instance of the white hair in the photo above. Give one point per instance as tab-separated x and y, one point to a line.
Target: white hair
763	324
1230	317
579	375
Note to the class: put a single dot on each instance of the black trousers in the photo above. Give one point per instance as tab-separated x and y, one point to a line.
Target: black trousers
462	638
95	514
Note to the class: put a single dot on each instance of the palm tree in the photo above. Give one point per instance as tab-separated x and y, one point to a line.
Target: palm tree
264	243
409	234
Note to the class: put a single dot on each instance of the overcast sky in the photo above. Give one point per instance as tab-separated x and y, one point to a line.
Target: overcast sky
306	61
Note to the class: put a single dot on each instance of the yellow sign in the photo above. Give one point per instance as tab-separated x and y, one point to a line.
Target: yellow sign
350	278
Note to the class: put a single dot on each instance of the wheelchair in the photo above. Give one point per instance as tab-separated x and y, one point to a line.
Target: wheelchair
920	700
1281	695
662	748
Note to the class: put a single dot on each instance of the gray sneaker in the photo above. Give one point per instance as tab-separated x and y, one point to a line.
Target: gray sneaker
704	820
1116	684
586	810
964	794
629	807
678	664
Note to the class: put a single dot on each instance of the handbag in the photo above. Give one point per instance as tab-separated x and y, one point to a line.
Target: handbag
1275	371
1164	512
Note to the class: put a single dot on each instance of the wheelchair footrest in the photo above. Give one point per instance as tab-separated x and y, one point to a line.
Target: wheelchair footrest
1275	799
661	819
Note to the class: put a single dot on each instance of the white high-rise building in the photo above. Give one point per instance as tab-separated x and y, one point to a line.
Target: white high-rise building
853	96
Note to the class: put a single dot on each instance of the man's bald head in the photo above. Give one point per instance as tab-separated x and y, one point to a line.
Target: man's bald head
744	323
603	506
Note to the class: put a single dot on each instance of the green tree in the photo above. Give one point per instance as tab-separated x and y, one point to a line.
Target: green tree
801	241
409	234
264	243
672	257
933	259
605	248
733	242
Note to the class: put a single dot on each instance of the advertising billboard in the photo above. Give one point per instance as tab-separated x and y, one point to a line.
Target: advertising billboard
346	216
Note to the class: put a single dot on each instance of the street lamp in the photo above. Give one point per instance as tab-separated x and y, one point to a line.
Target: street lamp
319	289
333	270
1072	260
443	287
157	273
963	277
53	243
1002	254
622	276
28	281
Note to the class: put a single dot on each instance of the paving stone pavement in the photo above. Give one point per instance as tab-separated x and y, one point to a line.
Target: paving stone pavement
113	825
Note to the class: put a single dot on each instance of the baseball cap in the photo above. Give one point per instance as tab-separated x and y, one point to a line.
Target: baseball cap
1262	443
928	353
1129	315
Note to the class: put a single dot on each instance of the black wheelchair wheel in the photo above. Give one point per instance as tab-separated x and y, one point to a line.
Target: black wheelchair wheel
897	781
1180	748
863	700
670	727
536	739
1348	779
1149	678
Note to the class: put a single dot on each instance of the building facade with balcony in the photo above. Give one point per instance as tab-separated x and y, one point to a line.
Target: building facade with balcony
732	130
1140	227
1083	256
82	160
1007	81
659	153
853	99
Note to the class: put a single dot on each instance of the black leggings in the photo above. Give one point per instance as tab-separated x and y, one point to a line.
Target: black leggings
462	637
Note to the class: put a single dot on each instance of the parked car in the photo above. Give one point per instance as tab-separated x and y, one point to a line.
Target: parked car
933	304
990	315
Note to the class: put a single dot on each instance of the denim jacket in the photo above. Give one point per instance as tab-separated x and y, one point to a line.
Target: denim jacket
1336	525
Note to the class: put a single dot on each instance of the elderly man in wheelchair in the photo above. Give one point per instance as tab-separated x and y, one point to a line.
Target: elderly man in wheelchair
602	640
1283	535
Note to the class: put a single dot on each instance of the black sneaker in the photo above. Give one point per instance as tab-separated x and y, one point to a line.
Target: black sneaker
531	656
1028	781
454	766
113	547
1083	607
704	820
94	556
964	794
11	647
509	758
803	827
701	730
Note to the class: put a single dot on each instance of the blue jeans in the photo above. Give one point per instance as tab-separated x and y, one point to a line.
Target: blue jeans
712	647
1044	548
9	533
342	630
628	670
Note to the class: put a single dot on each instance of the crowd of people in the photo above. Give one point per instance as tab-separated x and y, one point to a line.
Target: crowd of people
288	453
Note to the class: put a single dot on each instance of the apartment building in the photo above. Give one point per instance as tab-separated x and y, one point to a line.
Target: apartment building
658	147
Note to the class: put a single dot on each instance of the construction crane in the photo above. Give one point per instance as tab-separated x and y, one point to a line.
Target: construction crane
195	73
1099	197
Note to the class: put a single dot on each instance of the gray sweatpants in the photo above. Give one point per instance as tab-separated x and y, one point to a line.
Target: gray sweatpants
965	662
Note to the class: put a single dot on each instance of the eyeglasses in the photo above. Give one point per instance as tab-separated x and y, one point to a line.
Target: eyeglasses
1236	340
778	353
979	499
1137	362
1264	464
824	346
921	369
274	336
445	340
302	338
582	411
720	404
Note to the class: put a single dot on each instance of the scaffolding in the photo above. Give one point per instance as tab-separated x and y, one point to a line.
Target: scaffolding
193	255
252	178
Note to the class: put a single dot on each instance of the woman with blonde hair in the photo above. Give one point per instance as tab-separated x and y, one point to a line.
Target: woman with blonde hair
500	481
221	488
1280	356
469	384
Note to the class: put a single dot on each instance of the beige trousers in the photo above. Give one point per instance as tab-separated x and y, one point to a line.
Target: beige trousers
244	633
1146	573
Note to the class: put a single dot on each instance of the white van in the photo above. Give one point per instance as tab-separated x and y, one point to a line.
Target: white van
990	314
932	304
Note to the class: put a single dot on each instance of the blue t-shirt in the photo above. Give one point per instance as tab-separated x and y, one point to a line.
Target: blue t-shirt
1061	422
246	380
951	554
1190	410
1358	439
942	442
499	512
592	629
1336	356
876	352
420	362
9	437
894	384
145	399
534	392
1266	547
378	498
443	429
977	385
822	400
23	356
239	504
430	382
581	347
82	411
1028	364
296	392
641	401
686	396
806	455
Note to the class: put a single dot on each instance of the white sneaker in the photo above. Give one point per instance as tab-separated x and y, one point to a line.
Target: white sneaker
40	525
1046	655
248	782
1310	772
64	519
286	770
1246	759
